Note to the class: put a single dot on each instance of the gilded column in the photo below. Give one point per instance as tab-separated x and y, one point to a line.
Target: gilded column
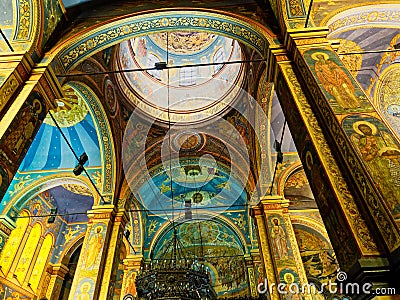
113	255
265	251
251	275
54	285
358	247
284	249
25	113
367	146
89	271
131	269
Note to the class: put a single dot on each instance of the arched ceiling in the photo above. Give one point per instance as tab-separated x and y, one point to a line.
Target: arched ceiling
50	151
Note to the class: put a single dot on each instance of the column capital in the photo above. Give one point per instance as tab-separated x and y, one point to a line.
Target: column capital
102	212
274	202
133	260
305	37
6	224
59	270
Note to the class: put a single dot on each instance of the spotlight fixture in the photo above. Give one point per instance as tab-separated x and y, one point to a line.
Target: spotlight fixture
52	217
81	161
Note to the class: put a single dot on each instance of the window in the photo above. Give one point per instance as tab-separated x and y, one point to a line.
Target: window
188	76
219	57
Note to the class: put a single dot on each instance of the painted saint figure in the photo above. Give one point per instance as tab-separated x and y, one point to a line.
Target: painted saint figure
94	247
335	81
381	154
278	236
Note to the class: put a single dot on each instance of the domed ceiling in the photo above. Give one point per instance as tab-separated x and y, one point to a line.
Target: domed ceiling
196	92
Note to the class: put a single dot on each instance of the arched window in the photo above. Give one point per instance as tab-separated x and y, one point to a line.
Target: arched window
41	261
188	76
13	242
28	253
219	57
151	62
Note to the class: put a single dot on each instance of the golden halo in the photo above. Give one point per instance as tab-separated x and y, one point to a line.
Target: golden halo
86	284
101	229
40	105
309	160
288	276
370	125
279	221
314	55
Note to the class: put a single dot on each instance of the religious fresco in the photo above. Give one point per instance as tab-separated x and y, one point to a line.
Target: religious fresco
200	88
289	276
17	139
222	251
298	191
337	84
317	254
52	15
387	96
280	244
380	152
90	263
204	185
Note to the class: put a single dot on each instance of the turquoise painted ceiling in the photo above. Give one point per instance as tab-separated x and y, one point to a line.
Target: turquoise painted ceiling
206	188
50	151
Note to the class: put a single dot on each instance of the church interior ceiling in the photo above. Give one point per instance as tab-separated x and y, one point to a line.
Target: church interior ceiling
208	183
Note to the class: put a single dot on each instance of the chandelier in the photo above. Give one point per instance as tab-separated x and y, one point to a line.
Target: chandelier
173	276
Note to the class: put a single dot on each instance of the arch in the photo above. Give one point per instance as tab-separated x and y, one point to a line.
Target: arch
69	251
382	15
168	226
284	176
75	49
105	137
41	184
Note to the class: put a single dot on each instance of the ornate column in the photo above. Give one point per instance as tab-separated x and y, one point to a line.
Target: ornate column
14	70
265	251
284	249
54	285
23	117
131	269
113	255
359	249
251	275
89	272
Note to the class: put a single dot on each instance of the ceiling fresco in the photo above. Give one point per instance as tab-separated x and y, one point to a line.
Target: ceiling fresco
203	184
50	151
192	93
323	10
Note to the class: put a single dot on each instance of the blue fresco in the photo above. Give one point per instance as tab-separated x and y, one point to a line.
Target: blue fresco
49	150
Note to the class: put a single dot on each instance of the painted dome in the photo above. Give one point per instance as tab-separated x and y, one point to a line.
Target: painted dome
196	85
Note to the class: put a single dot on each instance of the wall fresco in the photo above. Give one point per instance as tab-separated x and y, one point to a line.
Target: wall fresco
317	254
380	152
335	81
